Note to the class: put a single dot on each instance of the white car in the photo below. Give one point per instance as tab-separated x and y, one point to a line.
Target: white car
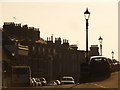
52	83
43	81
36	82
67	80
58	82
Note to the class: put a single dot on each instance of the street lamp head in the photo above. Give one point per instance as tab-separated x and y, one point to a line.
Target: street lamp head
112	52
100	39
87	14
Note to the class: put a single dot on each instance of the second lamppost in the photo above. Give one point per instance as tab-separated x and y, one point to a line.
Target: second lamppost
112	55
100	40
87	15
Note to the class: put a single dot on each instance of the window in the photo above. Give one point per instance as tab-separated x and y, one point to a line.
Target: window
49	50
39	49
20	70
33	48
54	51
43	50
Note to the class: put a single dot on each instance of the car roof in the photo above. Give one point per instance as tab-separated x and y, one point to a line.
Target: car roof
67	77
41	78
20	66
98	57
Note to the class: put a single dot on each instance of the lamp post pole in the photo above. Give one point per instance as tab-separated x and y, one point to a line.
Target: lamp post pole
112	55
87	15
101	49
87	36
100	40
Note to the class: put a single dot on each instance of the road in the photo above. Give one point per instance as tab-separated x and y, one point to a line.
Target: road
109	83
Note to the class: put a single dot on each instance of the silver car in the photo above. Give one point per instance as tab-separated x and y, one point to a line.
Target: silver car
67	80
52	83
36	82
43	81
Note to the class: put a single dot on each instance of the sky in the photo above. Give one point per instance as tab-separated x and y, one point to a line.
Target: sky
65	19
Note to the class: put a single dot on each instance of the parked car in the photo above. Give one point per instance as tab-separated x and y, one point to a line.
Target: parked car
67	80
58	82
116	65
99	65
32	82
36	82
52	83
112	65
43	81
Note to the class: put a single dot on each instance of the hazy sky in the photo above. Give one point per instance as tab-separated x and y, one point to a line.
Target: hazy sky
66	20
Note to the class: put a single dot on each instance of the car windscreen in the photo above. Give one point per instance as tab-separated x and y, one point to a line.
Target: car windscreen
20	70
42	79
98	59
68	79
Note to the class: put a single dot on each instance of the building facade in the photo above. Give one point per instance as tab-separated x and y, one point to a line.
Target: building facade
47	58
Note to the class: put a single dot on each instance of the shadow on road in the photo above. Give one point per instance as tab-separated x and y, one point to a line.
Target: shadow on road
99	77
95	77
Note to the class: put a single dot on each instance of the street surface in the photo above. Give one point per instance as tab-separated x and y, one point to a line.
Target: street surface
110	83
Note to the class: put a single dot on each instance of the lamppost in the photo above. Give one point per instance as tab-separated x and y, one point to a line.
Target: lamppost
112	55
87	15
100	40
